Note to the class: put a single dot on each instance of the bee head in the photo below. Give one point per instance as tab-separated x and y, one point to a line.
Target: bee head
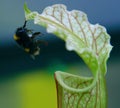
22	29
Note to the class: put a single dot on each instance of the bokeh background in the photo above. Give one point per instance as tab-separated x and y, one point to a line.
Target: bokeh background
28	83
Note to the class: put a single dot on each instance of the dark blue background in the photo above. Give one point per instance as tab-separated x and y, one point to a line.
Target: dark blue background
12	58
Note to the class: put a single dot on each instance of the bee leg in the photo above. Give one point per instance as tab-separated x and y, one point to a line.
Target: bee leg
35	34
25	24
32	56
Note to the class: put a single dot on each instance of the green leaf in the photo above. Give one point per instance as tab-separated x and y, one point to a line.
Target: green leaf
90	42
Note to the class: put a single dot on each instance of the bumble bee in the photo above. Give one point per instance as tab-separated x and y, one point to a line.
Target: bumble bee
29	43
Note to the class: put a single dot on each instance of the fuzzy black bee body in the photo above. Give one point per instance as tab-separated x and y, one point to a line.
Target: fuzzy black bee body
29	43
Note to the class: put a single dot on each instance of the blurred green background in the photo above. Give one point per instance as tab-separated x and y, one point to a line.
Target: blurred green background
28	83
